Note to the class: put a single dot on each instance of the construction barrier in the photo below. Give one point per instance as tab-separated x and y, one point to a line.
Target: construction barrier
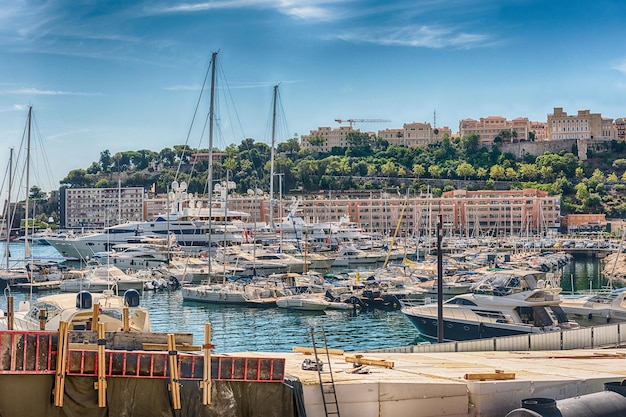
35	352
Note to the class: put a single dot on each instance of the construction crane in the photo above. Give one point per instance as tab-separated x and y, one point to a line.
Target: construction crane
352	121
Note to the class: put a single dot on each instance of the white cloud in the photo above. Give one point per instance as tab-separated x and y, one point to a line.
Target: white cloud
302	9
38	92
417	36
620	66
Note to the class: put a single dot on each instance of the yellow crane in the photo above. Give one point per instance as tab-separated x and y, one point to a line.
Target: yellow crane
352	121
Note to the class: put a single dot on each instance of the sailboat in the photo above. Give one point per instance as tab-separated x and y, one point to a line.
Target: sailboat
26	269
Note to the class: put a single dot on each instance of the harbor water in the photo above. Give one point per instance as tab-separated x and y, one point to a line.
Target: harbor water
239	329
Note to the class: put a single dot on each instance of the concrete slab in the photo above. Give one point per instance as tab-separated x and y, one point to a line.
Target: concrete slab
433	384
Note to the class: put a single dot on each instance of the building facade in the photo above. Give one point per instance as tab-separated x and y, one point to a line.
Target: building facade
94	208
465	213
492	127
414	134
329	138
584	125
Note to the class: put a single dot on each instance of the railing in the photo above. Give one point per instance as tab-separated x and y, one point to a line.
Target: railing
35	352
610	335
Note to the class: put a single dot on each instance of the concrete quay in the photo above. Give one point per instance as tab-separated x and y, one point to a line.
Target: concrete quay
441	384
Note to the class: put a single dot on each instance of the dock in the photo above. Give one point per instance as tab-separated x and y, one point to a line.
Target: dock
366	384
457	384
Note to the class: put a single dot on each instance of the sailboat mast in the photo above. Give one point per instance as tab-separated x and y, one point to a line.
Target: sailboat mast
26	247
7	210
272	159
210	178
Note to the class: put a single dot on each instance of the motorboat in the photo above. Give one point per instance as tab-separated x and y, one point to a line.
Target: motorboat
232	293
251	264
600	308
150	253
303	302
350	256
99	279
501	303
77	310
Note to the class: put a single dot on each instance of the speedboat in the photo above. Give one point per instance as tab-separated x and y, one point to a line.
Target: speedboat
502	303
100	278
77	310
253	294
601	308
303	302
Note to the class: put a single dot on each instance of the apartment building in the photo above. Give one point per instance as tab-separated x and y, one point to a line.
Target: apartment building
92	208
539	130
488	128
620	127
414	134
467	213
329	138
584	125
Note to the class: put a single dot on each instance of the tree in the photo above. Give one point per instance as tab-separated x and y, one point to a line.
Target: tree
418	170
465	170
35	193
316	141
105	160
497	172
389	169
582	193
77	178
435	171
290	147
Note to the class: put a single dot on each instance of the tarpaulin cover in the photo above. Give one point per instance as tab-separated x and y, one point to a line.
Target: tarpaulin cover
31	395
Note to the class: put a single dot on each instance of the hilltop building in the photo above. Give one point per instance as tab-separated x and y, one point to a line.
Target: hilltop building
492	127
584	125
332	138
414	134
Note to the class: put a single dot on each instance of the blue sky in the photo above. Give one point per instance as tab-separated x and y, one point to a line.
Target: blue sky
123	76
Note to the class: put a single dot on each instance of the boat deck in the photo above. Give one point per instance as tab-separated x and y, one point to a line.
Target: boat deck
450	383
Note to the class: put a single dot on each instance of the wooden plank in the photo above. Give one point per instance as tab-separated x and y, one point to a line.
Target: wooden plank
206	366
309	350
498	375
163	346
356	369
360	360
83	346
128	340
101	385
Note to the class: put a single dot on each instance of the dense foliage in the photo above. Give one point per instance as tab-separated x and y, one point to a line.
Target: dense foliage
370	163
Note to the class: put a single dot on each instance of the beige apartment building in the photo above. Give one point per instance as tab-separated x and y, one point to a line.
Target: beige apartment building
94	208
467	213
414	134
336	137
488	128
584	125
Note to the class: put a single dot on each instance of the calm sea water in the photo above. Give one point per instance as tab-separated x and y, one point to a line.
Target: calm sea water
237	329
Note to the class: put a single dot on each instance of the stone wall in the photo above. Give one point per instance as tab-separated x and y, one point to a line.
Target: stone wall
521	149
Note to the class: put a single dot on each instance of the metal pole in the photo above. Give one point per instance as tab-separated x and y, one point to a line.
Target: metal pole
439	282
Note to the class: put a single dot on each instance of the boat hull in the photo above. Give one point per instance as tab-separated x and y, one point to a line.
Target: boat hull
466	330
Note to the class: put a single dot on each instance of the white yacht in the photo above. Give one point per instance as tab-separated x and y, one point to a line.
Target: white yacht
190	220
502	303
100	278
349	256
600	308
77	310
